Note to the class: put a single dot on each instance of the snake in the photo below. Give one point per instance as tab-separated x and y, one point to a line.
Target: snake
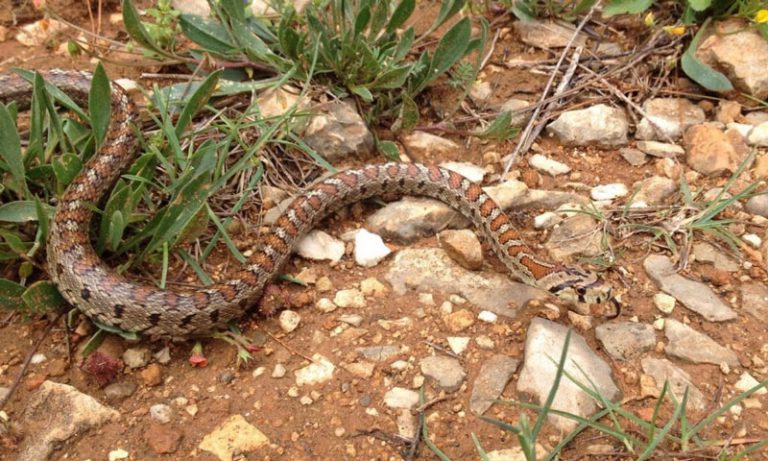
87	283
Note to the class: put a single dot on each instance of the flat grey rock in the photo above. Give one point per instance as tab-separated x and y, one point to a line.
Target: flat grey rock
577	235
688	344
543	347
378	353
626	340
600	125
55	414
446	372
707	253
425	269
412	218
490	382
696	296
667	118
662	370
754	300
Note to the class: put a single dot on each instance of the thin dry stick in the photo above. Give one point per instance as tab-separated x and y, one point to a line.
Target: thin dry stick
532	121
28	360
286	346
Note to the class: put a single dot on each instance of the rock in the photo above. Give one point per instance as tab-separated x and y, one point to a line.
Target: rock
663	371
608	191
459	321
485	342
577	235
548	34
289	320
470	171
705	252
447	372
688	344
319	246
118	454
458	344
741	53
427	269
57	413
758	205
747	382
463	247
742	129
512	454
152	375
399	397
39	32
370	249
490	382
653	191
480	92
273	103
487	317
319	371
600	125
279	371
372	287
626	340
507	194
233	436
349	298
136	357
668	118
362	370
420	144
117	392
547	165
196	7
161	413
664	302
378	353
759	135
338	132
544	343
728	111
412	218
634	157
696	296
162	439
163	356
754	300
546	220
325	305
407	424
660	149
753	240
712	151
517	109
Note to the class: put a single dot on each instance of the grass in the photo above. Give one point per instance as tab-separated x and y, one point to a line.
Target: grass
677	436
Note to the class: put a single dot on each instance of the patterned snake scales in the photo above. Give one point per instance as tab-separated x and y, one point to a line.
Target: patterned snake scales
89	284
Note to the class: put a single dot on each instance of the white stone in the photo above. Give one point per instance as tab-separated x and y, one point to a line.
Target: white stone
349	298
289	320
458	344
485	342
600	124
399	397
369	248
487	316
115	455
38	358
747	382
161	413
664	302
318	372
608	191
759	135
658	324
744	129
318	245
546	220
547	165
753	239
279	371
470	171
325	305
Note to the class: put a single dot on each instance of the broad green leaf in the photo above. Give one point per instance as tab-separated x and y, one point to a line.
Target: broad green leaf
66	167
401	14
117	203
10	295
409	114
404	45
389	150
699	5
42	296
289	40
136	30
450	49
702	74
57	94
20	211
10	150
363	92
500	129
362	20
14	242
212	36
129	335
235	9
197	101
116	228
380	13
614	7
448	8
100	104
393	78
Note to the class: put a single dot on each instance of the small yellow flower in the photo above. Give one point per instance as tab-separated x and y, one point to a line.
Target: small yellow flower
675	30
649	19
761	17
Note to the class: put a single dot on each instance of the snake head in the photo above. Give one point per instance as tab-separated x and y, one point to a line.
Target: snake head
580	286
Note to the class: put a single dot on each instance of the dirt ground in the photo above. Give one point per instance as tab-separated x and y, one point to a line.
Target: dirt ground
345	420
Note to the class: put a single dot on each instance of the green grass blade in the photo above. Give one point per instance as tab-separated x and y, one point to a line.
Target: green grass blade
100	104
10	151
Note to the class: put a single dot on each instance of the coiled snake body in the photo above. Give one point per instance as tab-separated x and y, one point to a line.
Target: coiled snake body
89	284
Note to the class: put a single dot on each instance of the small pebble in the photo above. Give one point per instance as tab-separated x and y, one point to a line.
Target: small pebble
279	371
608	191
487	316
289	320
161	413
118	454
664	302
226	377
753	239
325	305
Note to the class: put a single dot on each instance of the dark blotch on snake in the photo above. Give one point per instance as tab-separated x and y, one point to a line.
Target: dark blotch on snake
85	293
154	318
